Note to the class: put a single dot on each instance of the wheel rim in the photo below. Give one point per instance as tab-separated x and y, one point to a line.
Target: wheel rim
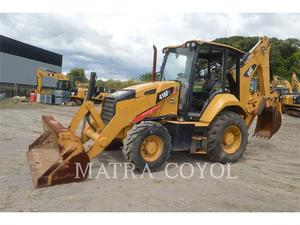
232	139
151	148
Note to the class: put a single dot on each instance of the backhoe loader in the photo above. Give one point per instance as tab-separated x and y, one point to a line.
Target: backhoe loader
201	103
75	91
282	86
78	94
289	94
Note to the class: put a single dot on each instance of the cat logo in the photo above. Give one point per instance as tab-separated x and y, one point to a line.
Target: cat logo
164	94
250	70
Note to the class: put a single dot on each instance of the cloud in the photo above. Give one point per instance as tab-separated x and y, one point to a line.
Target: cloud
249	24
119	46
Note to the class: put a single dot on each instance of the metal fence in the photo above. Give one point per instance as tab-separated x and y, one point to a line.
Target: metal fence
9	90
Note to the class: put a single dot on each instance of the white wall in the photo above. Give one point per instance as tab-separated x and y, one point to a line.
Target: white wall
16	69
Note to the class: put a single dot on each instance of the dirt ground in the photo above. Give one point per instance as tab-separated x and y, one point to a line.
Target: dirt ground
267	175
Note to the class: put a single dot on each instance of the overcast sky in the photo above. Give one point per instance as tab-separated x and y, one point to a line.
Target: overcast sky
119	46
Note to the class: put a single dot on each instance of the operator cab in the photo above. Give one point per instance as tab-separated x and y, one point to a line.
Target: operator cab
202	68
65	85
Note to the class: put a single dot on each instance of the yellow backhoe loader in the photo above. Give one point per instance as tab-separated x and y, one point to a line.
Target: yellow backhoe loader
201	103
289	94
77	90
100	94
282	85
79	94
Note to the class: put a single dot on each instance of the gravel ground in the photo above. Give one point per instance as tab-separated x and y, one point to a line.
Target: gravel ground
267	175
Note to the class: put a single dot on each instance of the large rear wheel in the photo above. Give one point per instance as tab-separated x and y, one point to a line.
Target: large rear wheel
147	143
227	138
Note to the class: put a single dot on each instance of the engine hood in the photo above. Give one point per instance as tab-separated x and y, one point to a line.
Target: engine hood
151	87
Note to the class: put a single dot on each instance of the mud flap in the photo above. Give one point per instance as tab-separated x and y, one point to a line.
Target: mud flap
53	161
268	123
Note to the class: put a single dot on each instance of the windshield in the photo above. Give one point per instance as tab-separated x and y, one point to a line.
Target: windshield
178	64
64	85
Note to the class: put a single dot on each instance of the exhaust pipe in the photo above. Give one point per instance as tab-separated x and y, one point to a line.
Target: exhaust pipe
154	63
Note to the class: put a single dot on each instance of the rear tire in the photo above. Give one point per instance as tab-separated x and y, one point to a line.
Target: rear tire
227	138
147	143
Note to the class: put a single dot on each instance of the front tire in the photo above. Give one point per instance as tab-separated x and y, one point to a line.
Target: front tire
227	138
147	143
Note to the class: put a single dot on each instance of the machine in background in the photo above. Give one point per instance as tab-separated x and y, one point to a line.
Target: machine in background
289	94
79	94
62	91
67	91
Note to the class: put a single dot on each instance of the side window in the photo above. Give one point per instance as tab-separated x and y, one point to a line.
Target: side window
254	83
231	85
207	80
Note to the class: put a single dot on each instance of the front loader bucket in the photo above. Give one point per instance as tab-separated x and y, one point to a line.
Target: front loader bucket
268	123
56	156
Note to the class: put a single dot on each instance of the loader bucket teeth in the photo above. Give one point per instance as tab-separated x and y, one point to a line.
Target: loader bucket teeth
268	123
55	157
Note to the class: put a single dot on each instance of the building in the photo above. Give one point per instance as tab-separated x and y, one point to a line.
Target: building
18	65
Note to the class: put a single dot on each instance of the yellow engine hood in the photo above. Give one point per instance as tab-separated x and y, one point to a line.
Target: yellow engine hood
152	87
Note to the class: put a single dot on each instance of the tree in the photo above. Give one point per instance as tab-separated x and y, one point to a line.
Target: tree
77	74
294	62
145	77
116	84
285	54
100	83
294	42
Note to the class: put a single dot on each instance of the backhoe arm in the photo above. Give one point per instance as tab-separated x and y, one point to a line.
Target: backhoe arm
261	103
41	72
295	83
257	62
